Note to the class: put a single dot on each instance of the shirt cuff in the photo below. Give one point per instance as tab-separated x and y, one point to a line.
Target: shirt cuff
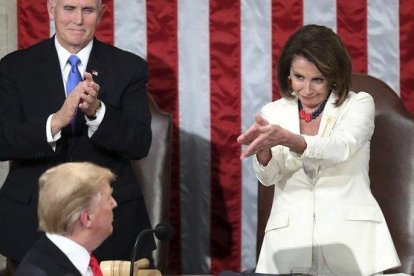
94	124
50	138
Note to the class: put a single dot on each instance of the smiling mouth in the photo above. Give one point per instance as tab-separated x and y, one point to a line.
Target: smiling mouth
76	31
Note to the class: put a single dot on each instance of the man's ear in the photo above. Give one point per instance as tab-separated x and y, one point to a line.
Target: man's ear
51	10
85	219
101	12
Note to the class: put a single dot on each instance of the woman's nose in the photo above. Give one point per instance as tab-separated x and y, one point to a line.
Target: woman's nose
307	87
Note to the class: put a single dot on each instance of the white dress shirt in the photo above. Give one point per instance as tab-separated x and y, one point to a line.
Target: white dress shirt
76	253
63	56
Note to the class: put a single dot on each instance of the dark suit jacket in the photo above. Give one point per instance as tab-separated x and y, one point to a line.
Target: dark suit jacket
46	259
31	88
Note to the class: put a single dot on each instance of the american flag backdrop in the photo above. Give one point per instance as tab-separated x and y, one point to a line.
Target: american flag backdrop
212	66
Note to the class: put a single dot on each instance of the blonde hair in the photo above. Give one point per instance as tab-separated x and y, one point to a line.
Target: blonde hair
65	191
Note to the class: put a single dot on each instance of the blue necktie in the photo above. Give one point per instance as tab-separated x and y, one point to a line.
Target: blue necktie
74	78
74	75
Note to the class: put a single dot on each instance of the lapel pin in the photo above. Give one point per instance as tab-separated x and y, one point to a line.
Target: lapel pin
95	73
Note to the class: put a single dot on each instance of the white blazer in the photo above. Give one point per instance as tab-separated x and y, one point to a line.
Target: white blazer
350	226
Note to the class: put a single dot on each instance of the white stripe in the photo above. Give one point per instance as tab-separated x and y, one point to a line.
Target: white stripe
320	12
51	28
8	26
8	44
256	33
383	41
130	26
194	114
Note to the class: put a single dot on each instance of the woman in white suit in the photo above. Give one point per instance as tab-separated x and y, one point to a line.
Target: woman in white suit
314	146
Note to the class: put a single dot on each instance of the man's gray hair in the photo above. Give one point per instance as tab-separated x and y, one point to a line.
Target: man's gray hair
53	3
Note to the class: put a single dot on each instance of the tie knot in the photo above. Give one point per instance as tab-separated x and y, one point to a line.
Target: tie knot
73	60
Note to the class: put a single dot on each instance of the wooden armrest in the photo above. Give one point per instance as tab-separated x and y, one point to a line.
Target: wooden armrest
148	272
121	268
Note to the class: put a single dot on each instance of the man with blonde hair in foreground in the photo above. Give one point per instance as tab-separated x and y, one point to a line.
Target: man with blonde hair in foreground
75	212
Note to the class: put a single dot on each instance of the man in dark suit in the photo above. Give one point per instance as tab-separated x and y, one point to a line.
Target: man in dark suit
104	119
76	219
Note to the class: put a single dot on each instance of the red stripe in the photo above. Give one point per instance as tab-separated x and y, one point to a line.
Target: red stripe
32	22
105	30
407	54
162	59
225	83
352	28
287	17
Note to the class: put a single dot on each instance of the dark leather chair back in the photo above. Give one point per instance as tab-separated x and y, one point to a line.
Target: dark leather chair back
154	175
391	169
392	165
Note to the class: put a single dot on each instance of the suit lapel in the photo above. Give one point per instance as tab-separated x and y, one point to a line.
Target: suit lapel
329	116
97	66
52	76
